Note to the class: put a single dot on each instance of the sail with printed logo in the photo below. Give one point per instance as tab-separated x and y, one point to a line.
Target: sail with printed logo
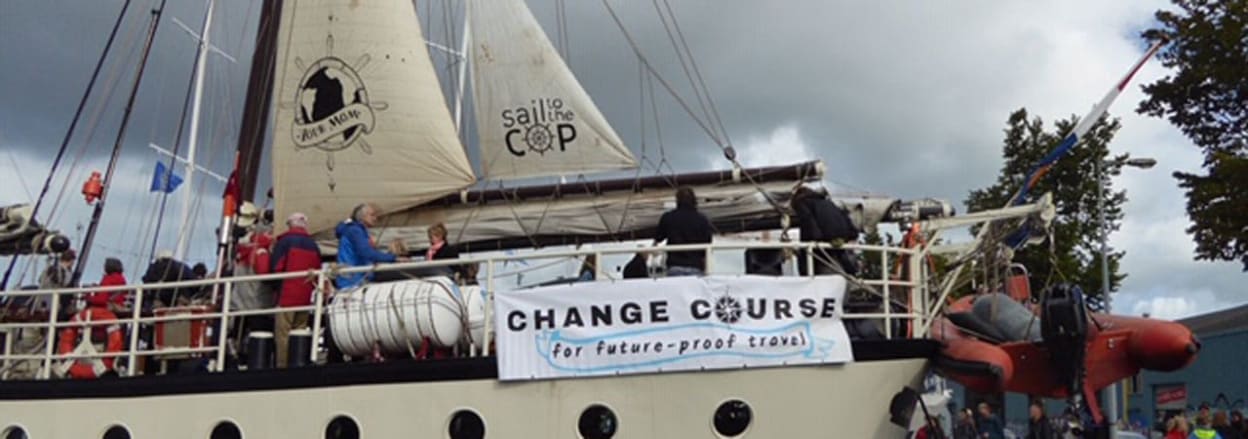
360	115
533	117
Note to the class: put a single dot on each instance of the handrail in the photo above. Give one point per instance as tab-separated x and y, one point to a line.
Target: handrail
219	319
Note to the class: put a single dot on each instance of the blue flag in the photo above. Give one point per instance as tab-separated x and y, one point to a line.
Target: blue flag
158	179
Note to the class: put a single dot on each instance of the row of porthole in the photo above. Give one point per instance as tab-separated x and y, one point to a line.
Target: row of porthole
597	421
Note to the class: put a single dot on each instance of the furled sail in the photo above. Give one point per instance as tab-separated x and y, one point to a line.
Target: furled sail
533	117
360	114
20	234
600	211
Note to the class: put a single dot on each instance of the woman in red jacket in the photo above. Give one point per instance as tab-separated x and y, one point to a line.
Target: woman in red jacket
114	275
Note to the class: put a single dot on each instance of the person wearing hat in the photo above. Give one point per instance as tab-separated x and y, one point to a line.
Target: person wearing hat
295	251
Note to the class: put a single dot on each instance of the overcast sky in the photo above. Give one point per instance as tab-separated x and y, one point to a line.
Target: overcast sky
901	98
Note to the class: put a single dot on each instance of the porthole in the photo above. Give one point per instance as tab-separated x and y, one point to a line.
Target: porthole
342	427
226	430
116	432
597	422
15	432
466	424
732	418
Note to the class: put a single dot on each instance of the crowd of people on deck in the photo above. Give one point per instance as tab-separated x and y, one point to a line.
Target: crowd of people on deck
295	250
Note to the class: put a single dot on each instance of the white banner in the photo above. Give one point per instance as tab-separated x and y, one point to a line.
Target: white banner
671	324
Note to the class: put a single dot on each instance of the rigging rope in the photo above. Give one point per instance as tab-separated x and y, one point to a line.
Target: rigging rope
60	153
729	152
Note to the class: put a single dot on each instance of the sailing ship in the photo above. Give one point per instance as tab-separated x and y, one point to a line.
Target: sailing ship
358	114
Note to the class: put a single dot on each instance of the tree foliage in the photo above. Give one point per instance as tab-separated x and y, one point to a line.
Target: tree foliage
1072	251
1206	97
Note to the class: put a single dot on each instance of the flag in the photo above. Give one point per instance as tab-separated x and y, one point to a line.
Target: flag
164	180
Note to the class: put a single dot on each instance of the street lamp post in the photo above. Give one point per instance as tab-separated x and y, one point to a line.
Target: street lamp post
1111	393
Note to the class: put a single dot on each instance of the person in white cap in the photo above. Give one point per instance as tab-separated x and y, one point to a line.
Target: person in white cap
295	251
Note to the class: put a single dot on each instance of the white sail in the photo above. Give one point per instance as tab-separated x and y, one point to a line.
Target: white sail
533	117
360	114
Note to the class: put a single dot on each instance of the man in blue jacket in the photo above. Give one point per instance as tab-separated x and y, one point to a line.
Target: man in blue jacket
355	248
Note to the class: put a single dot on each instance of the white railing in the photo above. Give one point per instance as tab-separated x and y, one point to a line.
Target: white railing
915	301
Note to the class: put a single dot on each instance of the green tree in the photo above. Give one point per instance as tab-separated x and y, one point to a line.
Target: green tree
1206	97
1071	252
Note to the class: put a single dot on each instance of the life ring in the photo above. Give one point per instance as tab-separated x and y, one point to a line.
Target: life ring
85	368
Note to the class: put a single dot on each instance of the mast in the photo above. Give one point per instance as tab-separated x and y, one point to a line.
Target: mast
200	64
259	92
121	135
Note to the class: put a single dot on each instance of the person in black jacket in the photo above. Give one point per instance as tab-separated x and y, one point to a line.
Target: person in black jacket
820	220
685	225
167	269
1039	426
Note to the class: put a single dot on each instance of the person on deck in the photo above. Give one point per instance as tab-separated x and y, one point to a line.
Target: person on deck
114	275
588	268
439	248
56	276
355	248
253	257
637	268
822	221
295	251
167	269
685	225
989	425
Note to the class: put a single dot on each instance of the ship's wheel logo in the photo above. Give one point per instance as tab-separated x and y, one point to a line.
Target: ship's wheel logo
538	137
332	107
727	309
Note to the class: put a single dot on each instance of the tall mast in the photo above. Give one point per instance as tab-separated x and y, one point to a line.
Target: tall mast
259	92
193	141
121	135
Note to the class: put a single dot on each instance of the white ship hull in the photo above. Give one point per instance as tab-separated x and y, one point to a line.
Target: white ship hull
849	401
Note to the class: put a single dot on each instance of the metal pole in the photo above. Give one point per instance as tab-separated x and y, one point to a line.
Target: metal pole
319	299
200	64
132	362
489	306
1110	395
222	335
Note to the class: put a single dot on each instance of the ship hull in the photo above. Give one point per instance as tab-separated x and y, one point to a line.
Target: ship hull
418	399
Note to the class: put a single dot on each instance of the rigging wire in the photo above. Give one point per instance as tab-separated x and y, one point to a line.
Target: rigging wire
680	56
112	83
18	171
729	152
112	165
60	153
697	73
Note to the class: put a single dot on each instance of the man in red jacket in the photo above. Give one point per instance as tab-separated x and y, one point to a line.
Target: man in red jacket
295	251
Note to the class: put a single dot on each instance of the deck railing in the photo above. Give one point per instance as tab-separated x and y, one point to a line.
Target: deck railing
913	289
